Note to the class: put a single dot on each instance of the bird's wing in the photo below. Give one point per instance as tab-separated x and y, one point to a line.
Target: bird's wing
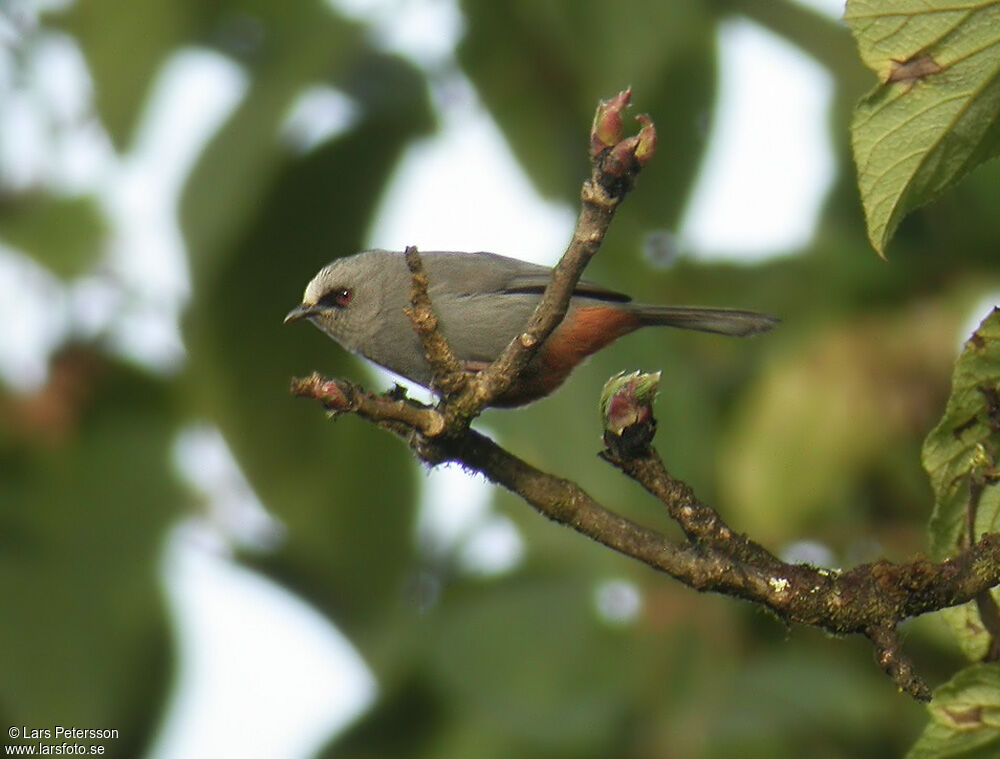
536	283
479	273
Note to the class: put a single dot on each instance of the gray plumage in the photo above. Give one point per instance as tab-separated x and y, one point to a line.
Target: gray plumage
482	301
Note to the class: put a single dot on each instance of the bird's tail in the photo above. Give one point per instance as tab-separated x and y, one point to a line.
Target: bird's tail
719	320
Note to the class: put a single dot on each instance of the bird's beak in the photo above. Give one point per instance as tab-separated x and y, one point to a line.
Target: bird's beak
302	311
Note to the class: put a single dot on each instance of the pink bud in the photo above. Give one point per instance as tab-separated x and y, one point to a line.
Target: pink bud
620	160
647	141
627	411
606	130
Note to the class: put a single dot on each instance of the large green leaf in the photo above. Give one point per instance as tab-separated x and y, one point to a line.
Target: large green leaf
935	114
958	448
64	234
344	490
86	493
965	717
958	456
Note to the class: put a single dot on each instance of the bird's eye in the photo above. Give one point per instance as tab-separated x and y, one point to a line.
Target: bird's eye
336	298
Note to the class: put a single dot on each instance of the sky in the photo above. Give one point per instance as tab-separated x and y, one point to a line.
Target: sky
307	680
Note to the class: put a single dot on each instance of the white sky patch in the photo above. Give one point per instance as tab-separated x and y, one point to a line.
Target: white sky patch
205	461
23	146
809	552
32	320
618	601
18	18
455	517
262	674
769	163
977	313
80	157
318	114
383	379
832	8
452	502
95	302
192	95
425	30
9	28
46	117
57	69
463	190
494	547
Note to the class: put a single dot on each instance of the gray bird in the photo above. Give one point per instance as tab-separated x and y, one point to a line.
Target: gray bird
483	301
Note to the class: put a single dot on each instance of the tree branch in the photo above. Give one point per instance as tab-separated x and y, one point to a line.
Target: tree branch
449	377
394	413
869	600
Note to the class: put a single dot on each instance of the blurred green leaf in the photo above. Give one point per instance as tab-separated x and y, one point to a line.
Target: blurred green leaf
819	417
956	454
301	44
85	497
541	67
934	117
125	43
797	701
63	234
345	491
404	723
965	717
416	719
526	658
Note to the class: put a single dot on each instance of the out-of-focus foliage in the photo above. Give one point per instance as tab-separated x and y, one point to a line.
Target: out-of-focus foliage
805	424
86	495
259	218
810	433
936	114
63	234
125	44
965	717
666	51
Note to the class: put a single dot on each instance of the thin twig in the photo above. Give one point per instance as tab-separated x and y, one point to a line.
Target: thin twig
402	416
448	376
895	663
702	524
